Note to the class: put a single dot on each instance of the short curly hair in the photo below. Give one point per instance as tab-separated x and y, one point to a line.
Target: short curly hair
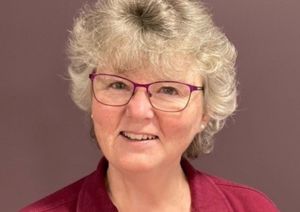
131	34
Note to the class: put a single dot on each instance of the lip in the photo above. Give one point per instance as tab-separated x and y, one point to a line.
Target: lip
141	135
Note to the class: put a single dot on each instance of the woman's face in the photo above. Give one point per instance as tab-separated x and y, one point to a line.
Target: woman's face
172	131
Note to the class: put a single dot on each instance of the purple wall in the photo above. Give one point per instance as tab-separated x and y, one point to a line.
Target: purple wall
44	142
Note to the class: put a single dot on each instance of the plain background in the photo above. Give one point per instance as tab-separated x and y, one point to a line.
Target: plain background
44	137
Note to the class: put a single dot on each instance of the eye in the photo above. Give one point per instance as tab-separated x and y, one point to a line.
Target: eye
168	90
118	85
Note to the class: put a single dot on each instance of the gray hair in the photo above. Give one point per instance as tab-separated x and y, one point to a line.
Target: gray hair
131	34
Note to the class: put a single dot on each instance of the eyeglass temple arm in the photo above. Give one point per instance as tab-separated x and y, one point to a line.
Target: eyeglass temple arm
196	88
92	75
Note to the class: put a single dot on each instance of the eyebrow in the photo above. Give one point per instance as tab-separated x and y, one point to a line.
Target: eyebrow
153	77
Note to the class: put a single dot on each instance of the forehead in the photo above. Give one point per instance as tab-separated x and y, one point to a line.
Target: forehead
179	70
147	75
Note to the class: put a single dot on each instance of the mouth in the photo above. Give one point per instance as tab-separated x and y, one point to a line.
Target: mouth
134	137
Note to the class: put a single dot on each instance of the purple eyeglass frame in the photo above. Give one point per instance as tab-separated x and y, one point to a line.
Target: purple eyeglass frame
136	85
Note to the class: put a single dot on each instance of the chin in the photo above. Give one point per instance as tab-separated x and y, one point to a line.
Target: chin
137	162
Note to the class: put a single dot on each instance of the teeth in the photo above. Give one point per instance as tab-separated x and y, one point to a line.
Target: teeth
138	137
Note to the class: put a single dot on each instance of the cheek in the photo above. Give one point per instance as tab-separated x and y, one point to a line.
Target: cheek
106	122
105	118
182	127
100	115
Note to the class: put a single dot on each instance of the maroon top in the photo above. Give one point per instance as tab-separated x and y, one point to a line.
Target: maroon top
208	193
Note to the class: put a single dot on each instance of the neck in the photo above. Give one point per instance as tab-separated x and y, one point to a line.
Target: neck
155	190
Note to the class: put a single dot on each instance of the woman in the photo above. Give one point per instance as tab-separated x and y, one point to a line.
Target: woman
158	79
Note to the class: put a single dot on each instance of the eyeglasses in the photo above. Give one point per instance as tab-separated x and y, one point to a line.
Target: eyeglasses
168	96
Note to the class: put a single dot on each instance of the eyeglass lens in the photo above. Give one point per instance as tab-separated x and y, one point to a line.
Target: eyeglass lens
116	91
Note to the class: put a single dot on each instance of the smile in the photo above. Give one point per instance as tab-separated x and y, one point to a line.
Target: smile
138	137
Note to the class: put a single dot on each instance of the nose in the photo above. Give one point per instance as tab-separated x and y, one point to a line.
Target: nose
139	105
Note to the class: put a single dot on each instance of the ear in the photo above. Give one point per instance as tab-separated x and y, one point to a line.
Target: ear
204	122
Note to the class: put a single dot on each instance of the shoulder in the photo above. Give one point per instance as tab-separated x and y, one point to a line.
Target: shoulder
62	200
86	194
241	197
216	194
